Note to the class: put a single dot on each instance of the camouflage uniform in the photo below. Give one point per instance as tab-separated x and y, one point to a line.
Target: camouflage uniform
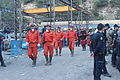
109	41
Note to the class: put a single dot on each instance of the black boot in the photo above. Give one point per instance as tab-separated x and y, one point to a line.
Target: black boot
84	48
50	60
59	52
31	58
3	64
46	57
56	52
107	74
34	62
72	53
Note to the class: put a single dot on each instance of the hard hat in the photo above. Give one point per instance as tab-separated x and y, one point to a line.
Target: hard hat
32	25
82	28
90	27
58	27
48	25
71	26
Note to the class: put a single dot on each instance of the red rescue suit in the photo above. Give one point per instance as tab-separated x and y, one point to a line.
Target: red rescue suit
48	41
72	37
59	36
33	38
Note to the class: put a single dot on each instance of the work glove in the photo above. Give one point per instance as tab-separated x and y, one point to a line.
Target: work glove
27	43
38	45
61	39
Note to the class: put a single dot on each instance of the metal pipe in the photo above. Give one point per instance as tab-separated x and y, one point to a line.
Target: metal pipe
54	14
81	18
15	19
0	20
21	20
71	12
50	13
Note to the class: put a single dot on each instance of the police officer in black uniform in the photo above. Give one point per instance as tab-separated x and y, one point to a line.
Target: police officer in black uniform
1	58
98	52
118	52
114	38
104	70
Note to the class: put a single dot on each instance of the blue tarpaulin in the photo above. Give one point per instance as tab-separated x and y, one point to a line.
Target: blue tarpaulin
14	47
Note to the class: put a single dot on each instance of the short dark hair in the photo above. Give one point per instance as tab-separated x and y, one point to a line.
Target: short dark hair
107	25
100	26
116	26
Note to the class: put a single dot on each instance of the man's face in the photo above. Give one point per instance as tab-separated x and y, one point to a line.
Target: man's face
71	28
48	28
58	29
116	28
102	30
32	27
106	27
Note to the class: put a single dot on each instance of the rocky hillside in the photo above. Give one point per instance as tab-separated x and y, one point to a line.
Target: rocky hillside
104	9
101	9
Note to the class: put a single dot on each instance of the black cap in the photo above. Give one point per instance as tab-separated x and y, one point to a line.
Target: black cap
100	26
45	26
116	26
107	25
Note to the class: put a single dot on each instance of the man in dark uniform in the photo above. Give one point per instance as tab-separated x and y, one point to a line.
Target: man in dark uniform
44	29
114	38
98	52
104	70
118	52
1	58
78	35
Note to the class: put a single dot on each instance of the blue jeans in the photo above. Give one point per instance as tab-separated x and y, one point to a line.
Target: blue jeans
65	42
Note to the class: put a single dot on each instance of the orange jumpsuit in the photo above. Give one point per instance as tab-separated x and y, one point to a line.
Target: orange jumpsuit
58	41
72	37
33	38
48	40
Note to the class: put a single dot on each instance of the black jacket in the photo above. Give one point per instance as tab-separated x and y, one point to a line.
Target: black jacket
98	43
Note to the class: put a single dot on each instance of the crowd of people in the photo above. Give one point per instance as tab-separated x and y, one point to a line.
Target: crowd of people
102	41
101	46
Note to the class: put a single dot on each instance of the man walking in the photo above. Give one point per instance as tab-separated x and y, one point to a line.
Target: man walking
33	40
1	58
72	38
48	43
59	36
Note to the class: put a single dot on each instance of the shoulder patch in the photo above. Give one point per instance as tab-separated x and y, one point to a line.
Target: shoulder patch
114	34
101	38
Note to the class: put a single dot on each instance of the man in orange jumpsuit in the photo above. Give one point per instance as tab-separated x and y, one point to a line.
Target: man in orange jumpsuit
48	42
59	36
72	38
33	40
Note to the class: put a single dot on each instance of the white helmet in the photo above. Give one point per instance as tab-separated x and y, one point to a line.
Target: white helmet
90	27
